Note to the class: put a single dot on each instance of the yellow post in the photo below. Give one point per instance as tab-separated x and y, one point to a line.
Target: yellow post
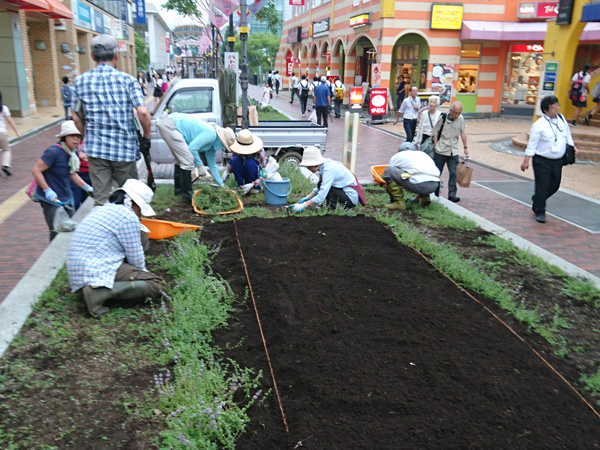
563	40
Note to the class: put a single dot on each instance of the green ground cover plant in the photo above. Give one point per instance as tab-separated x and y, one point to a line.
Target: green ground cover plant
212	200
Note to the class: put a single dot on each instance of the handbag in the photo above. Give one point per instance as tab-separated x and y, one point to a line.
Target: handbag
32	189
569	156
428	147
463	174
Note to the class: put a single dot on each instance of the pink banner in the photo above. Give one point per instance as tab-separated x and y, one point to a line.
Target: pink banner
227	6
256	6
216	17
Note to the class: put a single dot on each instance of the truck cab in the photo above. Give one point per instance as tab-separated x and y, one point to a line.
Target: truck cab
198	97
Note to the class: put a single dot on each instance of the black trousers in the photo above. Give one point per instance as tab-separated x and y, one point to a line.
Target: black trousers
547	173
322	112
303	101
337	195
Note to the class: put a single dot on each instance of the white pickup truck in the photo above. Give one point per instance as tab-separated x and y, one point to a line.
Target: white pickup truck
199	97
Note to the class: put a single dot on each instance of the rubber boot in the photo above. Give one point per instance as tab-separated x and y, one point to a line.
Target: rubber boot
122	290
186	186
397	195
424	200
176	179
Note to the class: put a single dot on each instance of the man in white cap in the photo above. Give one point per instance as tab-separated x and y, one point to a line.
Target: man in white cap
105	99
249	162
103	241
413	171
337	185
189	137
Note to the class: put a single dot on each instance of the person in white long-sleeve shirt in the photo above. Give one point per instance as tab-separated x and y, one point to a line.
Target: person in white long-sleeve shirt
337	185
548	139
427	119
409	110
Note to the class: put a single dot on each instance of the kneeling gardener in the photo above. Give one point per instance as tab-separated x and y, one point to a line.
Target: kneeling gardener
106	256
410	170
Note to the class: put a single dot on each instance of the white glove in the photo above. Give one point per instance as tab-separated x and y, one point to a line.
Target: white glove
224	175
201	171
246	188
299	207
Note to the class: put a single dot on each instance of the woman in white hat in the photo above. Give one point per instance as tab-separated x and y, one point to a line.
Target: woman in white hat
337	185
54	172
107	237
248	163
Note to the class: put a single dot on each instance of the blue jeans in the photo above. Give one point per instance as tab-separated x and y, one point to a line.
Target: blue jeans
244	169
452	162
410	126
337	105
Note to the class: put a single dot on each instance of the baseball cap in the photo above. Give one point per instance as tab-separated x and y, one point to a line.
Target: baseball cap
103	42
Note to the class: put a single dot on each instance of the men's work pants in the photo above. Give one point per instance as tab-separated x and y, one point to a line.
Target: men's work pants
303	101
104	172
410	126
294	92
337	104
337	196
322	112
393	174
176	143
452	162
547	173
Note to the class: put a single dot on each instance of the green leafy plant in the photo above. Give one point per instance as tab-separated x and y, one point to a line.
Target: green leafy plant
212	200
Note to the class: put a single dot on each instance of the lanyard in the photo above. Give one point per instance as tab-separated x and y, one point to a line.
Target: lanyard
552	125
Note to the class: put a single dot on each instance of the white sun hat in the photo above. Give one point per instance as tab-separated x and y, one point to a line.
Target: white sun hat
68	128
141	194
312	157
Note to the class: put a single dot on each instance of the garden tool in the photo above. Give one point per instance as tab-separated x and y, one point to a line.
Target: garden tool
122	290
396	195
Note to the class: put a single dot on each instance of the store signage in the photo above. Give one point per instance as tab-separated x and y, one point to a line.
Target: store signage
527	48
360	20
98	21
304	35
289	66
140	11
565	12
356	97
378	104
320	28
548	83
537	10
446	17
294	35
297	2
232	61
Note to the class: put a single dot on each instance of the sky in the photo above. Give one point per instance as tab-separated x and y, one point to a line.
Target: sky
170	17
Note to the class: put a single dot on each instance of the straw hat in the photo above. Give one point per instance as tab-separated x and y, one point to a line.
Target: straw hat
246	143
67	128
312	157
141	194
226	136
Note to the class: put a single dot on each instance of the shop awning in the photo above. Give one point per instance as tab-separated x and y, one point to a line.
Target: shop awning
503	31
52	8
28	5
58	10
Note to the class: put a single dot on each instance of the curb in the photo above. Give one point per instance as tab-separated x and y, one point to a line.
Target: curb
36	130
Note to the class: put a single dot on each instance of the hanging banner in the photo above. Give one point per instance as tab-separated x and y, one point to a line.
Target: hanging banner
256	6
227	6
140	11
376	74
216	17
289	65
232	61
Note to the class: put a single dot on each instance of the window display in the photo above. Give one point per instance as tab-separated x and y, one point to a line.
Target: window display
522	77
467	79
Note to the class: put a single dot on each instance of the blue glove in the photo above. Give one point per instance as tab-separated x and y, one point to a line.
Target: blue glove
305	199
90	190
299	207
50	195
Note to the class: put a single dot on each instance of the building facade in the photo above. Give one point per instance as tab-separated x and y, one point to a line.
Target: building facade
486	53
44	40
158	37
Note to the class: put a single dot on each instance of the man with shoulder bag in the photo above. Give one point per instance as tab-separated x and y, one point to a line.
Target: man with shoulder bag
304	91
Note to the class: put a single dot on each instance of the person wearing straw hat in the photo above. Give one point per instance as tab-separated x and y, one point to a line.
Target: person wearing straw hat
105	260
54	172
337	185
188	138
249	162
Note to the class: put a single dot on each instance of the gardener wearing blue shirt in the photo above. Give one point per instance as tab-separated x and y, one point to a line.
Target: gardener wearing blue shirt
106	258
188	137
336	183
104	115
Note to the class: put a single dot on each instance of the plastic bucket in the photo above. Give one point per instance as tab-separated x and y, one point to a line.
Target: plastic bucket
276	192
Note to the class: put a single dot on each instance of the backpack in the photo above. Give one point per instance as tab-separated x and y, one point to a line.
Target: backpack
304	89
67	94
576	91
339	93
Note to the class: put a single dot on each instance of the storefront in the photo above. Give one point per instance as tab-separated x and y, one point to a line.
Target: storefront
524	63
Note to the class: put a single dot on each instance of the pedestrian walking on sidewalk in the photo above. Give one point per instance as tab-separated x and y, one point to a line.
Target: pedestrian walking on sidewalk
548	139
304	88
54	171
445	133
107	98
277	79
157	83
322	101
294	85
67	94
5	118
338	96
409	110
580	87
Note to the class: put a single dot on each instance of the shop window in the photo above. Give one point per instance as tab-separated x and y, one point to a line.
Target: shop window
407	51
470	50
522	77
467	79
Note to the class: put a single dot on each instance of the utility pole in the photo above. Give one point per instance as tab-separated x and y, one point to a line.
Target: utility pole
214	52
244	65
231	38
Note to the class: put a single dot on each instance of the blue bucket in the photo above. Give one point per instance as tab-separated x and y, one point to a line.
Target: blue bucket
276	192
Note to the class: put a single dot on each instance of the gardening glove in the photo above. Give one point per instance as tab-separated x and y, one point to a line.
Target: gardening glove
224	175
299	207
144	145
246	188
50	195
89	189
305	199
201	171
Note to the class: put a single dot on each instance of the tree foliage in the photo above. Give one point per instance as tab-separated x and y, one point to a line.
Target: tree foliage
260	47
141	54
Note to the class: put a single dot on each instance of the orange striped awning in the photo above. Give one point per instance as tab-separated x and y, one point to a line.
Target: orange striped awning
52	8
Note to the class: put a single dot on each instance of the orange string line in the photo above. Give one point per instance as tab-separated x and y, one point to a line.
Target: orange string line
512	331
260	328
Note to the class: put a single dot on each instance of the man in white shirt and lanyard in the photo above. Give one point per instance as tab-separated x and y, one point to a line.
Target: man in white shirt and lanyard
548	139
410	111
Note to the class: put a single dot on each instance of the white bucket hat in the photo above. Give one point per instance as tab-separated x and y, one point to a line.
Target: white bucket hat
141	194
312	157
246	143
226	136
67	128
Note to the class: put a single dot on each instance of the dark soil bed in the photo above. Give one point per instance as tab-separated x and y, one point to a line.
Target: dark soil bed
373	348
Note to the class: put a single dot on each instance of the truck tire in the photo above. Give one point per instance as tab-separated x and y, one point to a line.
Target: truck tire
291	158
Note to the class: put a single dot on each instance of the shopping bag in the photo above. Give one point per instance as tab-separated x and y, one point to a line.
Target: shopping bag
463	174
313	116
62	221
